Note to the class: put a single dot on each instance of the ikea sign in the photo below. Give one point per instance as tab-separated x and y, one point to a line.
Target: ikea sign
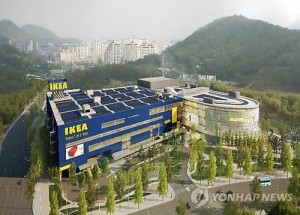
76	131
56	85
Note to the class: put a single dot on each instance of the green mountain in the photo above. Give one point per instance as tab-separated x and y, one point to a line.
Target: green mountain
9	30
31	32
238	49
39	33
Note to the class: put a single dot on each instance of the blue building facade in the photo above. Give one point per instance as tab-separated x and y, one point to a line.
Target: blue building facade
114	122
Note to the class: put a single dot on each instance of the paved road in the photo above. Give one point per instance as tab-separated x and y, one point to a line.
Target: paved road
14	151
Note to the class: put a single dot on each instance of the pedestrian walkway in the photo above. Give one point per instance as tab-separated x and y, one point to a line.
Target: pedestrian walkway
41	204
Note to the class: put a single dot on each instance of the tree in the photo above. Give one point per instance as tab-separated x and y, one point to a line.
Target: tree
96	171
167	160
282	130
255	189
180	208
286	158
163	183
294	183
91	192
200	164
265	124
269	159
110	201
212	168
82	208
240	157
296	159
248	162
104	166
229	165
72	173
193	153
120	183
219	155
145	175
260	154
81	179
232	208
283	208
138	190
54	209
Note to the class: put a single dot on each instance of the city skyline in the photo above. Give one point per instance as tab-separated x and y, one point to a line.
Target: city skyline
157	20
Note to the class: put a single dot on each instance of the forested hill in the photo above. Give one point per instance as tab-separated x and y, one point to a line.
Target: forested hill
14	65
9	30
241	49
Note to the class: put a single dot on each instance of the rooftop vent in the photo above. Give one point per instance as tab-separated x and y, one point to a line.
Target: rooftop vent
89	92
86	108
135	87
97	99
159	95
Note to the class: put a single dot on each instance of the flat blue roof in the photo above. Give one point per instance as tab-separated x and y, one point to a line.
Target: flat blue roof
111	101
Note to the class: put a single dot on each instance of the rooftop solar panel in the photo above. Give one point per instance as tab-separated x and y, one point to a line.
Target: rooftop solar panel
122	90
124	98
67	108
107	100
72	116
85	101
82	96
117	107
101	110
97	93
135	103
109	92
150	100
148	93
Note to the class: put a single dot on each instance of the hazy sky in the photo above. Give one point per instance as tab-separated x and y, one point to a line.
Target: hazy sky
153	19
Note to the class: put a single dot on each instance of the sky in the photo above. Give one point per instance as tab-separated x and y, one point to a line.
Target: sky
161	20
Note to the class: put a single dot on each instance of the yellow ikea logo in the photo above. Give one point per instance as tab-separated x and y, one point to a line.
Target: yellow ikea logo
76	129
58	86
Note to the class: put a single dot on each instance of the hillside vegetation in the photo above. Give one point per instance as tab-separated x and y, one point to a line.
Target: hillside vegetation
14	65
110	76
240	49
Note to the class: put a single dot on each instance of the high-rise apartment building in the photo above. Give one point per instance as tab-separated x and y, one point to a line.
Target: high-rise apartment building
113	53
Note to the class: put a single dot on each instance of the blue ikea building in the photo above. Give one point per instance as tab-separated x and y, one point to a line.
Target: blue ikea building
87	125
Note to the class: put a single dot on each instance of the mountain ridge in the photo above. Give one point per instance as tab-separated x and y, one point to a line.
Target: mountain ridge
10	30
236	48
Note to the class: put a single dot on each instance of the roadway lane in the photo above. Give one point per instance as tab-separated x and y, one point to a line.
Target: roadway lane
15	151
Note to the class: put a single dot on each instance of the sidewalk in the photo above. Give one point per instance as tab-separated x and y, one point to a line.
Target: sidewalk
41	204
